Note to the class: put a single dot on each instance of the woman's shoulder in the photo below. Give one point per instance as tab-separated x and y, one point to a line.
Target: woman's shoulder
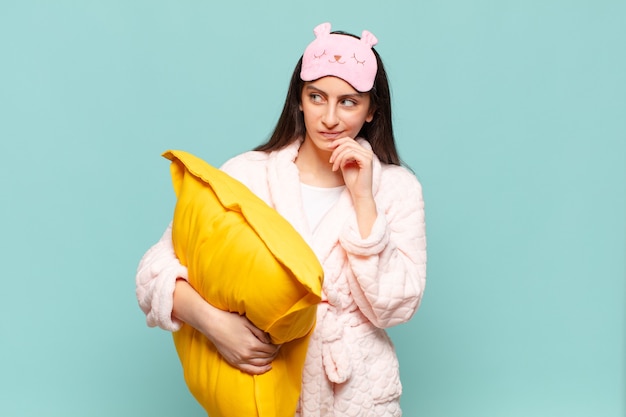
399	184
398	177
245	162
246	157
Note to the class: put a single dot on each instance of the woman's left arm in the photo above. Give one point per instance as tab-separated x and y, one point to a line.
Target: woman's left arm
356	164
387	268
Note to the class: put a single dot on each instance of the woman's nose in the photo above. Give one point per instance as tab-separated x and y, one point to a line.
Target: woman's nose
330	118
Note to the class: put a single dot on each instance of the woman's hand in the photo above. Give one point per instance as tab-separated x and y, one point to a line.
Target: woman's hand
355	163
241	344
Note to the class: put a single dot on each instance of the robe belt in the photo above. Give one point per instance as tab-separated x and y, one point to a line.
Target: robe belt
336	356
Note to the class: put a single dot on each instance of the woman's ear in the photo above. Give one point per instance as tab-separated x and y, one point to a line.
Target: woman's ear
370	114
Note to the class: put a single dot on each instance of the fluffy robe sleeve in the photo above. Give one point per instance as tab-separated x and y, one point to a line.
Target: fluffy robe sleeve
387	270
156	277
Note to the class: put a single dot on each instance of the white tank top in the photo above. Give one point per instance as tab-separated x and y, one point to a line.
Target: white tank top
317	201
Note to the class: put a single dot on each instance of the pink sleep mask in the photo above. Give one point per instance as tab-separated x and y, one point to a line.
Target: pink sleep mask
342	56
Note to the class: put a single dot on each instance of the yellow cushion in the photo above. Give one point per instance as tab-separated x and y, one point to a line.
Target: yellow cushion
242	256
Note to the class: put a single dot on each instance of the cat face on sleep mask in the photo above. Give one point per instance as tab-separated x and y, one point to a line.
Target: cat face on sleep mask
340	55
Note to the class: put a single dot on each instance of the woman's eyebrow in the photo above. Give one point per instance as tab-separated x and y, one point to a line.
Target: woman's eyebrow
355	95
314	88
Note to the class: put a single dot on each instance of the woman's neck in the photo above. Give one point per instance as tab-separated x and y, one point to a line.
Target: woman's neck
314	167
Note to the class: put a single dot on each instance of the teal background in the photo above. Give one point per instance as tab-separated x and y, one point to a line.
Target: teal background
512	114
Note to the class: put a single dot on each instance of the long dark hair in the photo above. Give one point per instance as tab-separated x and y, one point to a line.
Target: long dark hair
378	132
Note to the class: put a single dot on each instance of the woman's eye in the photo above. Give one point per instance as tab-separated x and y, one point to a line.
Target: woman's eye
348	103
316	98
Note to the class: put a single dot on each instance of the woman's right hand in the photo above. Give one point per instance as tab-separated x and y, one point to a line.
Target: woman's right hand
242	345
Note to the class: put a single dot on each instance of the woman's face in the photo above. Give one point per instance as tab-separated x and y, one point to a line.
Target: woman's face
333	109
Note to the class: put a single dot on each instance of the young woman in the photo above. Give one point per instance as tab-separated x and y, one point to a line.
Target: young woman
332	170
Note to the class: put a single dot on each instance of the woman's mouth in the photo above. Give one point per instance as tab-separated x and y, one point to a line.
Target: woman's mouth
331	135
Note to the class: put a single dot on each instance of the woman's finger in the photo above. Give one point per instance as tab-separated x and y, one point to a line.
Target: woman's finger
254	370
258	333
350	155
